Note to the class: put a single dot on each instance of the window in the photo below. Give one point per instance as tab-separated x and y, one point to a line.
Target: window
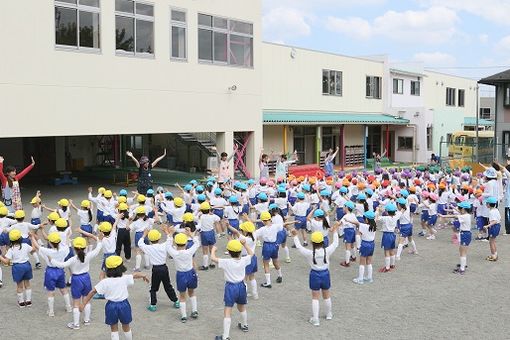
77	24
462	94
178	34
450	96
134	27
429	138
506	95
398	86
485	113
373	87
225	41
331	83
415	88
405	143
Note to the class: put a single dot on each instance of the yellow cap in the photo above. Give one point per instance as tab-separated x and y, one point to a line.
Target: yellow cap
108	194
4	211
140	198
100	190
122	199
123	207
80	243
178	202
53	216
154	235
181	239
14	235
54	237
63	202
188	217
35	200
105	227
205	206
113	261
247	226
61	223
85	204
317	237
140	210
19	214
265	216
234	245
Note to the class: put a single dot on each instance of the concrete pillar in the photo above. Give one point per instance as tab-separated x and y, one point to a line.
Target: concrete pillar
253	152
225	143
319	144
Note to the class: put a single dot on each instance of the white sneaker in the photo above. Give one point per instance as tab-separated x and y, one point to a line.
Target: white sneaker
314	322
50	314
256	297
86	323
431	237
69	309
358	281
368	280
287	260
397	258
226	252
73	326
329	317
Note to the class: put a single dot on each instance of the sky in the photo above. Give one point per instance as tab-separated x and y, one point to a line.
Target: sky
469	38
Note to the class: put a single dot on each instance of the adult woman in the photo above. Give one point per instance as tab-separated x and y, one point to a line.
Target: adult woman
328	162
144	171
10	185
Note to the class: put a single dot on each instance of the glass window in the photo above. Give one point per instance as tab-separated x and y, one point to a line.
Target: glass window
127	6
415	88
485	113
373	87
144	36
405	143
429	138
125	33
450	96
204	20
205	50
77	24
68	1
241	27
220	47
462	94
398	86
179	16
325	81
220	23
178	42
144	9
241	50
331	82
506	99
134	27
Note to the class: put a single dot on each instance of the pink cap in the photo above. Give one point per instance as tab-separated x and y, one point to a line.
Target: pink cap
270	183
338	185
263	181
434	196
294	182
425	194
460	198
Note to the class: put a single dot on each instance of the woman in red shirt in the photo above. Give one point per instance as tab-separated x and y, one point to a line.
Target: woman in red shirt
11	194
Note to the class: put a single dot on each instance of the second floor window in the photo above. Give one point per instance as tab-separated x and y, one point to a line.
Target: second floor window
506	95
178	34
462	95
450	96
415	88
331	83
134	27
373	88
77	24
398	86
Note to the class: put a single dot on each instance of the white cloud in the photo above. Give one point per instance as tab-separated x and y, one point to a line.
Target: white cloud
319	4
493	10
483	38
284	23
435	58
504	44
355	27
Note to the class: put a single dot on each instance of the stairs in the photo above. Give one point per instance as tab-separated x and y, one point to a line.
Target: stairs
205	141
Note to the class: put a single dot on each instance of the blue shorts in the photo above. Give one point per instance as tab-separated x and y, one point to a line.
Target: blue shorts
21	272
87	228
388	240
105	256
186	280
246	209
234	223
349	235
169	218
252	268
367	248
80	285
292	200
150	214
319	279
300	222
285	211
375	204
235	293
339	213
4	239
412	208
218	212
54	278
253	200
70	254
99	216
424	215
281	237
326	241
481	222
111	219
456	225
270	250
138	236
494	230
432	220
360	219
441	209
190	244
406	230
115	312
465	238
188	208
208	238
26	240
35	221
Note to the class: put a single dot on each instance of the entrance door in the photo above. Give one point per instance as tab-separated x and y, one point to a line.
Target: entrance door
505	147
373	140
43	150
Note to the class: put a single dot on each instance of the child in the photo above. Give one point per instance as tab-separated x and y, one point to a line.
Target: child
235	288
176	210
231	213
5	223
141	223
493	227
300	211
123	235
54	277
21	268
109	240
432	208
85	216
9	180
424	217
115	290
389	224
319	222
80	280
319	279
186	277
405	226
35	216
464	223
367	230
349	232
281	238
157	253
98	202
207	222
25	228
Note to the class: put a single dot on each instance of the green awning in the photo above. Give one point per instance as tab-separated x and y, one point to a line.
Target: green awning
329	118
471	121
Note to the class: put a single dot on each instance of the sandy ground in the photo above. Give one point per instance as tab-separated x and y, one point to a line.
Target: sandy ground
421	299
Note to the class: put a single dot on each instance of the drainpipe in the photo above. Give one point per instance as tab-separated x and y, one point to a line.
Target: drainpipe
413	126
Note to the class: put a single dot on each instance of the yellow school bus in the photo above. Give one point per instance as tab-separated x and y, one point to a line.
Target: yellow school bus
462	145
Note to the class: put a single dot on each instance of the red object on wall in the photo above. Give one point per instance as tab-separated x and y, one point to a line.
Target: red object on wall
312	170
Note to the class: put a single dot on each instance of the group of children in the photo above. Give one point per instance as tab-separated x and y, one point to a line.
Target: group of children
262	213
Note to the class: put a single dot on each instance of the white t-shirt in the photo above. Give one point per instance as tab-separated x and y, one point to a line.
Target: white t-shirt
389	223
84	217
268	233
23	227
366	234
115	288
232	212
5	223
74	263
234	269
17	254
404	217
206	222
183	259
319	253
156	252
300	208
249	243
318	226
494	215
36	212
348	217
281	202
140	224
110	242
465	222
59	254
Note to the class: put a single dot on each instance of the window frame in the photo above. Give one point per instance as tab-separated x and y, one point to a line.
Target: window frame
136	16
417	90
482	113
459	91
186	30
451	92
506	95
336	73
400	148
228	32
430	137
372	87
84	8
399	89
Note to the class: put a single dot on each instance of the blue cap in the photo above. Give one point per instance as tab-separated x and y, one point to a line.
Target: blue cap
168	194
150	192
262	196
282	189
344	190
464	205
251	181
401	200
243	186
273	206
188	187
218	191
301	196
236	185
350	205
491	200
318	213
362	197
123	192
404	193
369	214
325	193
233	199
193	182
390	207
306	187
201	198
211	179
209	184
369	192
199	189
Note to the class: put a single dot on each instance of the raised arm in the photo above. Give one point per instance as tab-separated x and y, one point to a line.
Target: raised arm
156	161
130	154
25	171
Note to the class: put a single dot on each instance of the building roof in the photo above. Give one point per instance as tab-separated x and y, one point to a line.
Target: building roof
329	118
407	73
502	77
471	121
